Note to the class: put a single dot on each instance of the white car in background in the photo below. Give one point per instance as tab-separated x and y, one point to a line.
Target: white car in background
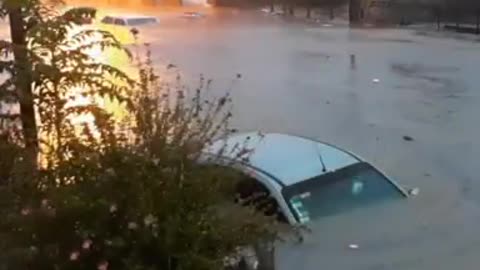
130	20
130	28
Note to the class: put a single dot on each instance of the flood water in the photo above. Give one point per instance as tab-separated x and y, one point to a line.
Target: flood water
297	78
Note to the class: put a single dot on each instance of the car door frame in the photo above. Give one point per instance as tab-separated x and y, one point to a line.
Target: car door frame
269	181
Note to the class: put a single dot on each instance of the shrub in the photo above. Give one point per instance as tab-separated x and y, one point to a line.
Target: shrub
137	198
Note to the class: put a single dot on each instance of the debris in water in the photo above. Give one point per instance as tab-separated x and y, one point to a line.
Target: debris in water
327	102
353	61
407	138
353	246
376	80
414	191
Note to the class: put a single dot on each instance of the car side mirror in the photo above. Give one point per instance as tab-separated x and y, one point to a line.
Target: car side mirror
134	31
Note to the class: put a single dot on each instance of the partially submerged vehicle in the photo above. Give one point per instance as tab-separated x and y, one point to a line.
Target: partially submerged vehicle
304	180
308	179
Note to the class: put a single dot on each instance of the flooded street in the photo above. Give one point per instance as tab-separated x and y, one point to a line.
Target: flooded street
410	104
297	78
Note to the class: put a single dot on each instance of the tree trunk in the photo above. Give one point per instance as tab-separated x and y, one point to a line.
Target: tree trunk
477	15
272	6
437	13
24	83
457	19
354	12
332	13
9	151
291	10
309	11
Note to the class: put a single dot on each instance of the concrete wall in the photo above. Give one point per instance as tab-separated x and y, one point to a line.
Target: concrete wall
123	3
194	2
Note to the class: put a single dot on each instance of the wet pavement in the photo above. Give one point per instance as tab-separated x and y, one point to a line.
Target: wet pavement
410	105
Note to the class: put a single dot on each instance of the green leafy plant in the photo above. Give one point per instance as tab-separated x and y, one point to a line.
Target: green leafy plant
127	194
143	205
65	82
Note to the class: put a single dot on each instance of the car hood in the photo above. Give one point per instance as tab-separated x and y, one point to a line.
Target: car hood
394	235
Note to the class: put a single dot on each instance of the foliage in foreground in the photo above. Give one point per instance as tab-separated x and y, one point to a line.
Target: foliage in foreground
52	79
142	205
131	213
117	195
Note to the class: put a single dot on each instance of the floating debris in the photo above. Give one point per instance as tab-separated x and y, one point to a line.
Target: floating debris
353	61
407	138
414	191
353	246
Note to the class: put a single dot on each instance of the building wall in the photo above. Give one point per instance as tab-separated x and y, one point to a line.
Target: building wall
194	2
123	3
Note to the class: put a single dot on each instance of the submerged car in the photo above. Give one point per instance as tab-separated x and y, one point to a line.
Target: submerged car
130	20
305	180
125	26
308	179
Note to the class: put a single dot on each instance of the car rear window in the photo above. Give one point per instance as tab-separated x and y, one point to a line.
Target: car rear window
357	185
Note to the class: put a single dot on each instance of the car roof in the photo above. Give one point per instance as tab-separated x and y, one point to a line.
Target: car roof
287	158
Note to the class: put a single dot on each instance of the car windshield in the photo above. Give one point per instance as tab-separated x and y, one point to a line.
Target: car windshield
141	21
343	190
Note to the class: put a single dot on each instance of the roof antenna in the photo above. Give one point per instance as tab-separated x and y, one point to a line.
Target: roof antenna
324	168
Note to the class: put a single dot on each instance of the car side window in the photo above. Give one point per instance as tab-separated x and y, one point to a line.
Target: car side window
252	193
